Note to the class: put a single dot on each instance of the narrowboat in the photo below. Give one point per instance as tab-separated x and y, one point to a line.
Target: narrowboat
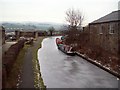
64	48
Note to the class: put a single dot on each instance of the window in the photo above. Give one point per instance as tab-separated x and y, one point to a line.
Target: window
101	29
111	29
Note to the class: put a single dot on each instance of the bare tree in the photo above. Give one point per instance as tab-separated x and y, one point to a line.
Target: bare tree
75	20
74	17
51	30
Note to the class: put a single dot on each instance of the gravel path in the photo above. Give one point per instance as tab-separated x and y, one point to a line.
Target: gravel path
28	74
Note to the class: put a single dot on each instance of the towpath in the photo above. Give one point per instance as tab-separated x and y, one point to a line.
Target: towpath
27	74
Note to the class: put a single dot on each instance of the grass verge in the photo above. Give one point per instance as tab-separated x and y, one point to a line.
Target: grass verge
38	81
14	77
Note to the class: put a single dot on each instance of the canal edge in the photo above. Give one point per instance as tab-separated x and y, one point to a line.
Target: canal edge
98	65
38	80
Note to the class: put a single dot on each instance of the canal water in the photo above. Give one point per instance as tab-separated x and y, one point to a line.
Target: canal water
62	71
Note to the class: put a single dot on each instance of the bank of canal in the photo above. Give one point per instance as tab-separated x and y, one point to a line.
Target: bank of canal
31	75
61	71
38	81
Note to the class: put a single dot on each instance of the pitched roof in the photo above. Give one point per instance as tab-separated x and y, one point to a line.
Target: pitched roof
114	16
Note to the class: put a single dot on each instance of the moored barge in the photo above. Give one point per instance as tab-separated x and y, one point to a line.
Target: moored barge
64	48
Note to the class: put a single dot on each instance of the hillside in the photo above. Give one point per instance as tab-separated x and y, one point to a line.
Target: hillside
12	26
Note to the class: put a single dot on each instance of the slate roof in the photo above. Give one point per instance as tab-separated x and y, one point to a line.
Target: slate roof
114	16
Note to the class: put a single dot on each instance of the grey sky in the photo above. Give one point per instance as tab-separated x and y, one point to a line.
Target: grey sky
54	10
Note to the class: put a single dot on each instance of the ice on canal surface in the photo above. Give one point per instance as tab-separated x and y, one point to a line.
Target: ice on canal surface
63	71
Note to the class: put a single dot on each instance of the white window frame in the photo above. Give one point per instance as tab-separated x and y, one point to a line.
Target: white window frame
101	29
111	28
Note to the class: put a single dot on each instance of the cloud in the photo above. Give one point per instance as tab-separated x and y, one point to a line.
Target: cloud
53	10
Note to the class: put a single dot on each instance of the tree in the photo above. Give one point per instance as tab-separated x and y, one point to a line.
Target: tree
74	18
51	30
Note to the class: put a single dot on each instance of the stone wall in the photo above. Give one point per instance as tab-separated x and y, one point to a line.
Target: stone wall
101	36
26	34
2	34
9	58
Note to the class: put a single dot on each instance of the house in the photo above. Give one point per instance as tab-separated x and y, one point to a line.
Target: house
105	32
2	34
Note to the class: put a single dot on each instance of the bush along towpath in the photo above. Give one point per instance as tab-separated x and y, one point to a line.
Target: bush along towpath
31	76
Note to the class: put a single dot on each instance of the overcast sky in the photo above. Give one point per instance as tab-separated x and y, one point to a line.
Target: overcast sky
54	10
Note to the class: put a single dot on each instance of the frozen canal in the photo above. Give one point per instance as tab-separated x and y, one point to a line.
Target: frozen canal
62	71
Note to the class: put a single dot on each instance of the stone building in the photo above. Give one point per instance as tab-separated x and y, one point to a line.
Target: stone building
104	32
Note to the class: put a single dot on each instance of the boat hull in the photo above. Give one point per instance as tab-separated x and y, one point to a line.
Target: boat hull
61	49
